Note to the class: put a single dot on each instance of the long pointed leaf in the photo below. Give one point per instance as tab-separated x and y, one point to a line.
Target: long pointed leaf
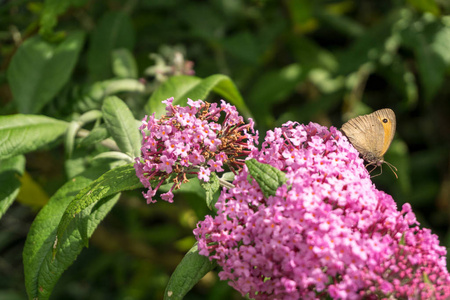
42	270
122	125
20	134
112	182
183	87
176	87
39	70
190	270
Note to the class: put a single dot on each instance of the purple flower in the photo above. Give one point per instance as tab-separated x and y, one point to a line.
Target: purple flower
177	146
215	166
328	232
167	196
203	174
166	164
212	144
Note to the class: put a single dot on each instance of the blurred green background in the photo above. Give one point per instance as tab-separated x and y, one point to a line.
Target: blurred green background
320	61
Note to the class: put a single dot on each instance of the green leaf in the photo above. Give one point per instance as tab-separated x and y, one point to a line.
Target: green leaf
211	187
190	270
69	139
24	133
122	125
184	87
10	170
78	163
430	42
39	70
42	271
76	125
92	96
124	64
96	135
52	9
225	87
268	178
114	31
177	87
112	182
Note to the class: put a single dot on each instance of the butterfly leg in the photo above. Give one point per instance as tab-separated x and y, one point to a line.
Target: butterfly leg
374	167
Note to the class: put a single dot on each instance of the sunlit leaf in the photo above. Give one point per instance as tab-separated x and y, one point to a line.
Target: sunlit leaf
188	272
20	134
122	125
42	269
112	182
39	70
184	87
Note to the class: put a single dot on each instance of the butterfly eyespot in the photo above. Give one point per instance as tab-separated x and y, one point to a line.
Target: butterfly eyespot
385	120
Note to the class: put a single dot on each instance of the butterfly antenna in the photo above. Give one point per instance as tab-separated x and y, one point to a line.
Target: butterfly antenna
392	167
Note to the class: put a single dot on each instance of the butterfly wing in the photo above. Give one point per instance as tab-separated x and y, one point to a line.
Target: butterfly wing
363	133
386	118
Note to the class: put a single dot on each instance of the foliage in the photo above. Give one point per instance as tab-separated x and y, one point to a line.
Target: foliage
77	76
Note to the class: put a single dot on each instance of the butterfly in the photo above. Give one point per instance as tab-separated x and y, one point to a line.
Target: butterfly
372	135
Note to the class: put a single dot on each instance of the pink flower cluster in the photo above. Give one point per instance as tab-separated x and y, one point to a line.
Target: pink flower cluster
328	232
191	140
